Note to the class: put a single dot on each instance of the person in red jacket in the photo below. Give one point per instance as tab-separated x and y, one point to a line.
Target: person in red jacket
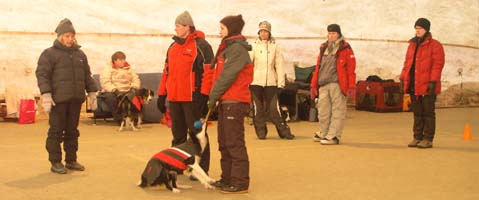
187	67
421	78
334	78
233	74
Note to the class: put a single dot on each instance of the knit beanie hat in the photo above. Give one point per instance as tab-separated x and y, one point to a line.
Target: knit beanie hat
184	19
234	24
64	26
334	28
264	25
424	23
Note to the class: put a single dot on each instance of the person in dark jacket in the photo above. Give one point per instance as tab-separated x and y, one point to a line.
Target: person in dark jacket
233	75
187	66
421	78
63	76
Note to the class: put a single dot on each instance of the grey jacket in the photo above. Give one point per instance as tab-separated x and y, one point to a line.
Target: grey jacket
64	72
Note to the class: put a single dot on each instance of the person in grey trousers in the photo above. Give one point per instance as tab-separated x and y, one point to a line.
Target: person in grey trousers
334	79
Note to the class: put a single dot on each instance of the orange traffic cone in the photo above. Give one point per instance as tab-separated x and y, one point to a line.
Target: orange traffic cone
467	132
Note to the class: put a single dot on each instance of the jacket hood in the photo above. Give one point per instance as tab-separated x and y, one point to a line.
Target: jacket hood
240	39
342	44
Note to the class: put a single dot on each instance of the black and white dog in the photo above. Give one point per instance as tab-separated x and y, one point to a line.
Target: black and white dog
164	166
131	107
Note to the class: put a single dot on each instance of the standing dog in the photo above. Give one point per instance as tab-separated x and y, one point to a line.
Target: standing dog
131	107
163	167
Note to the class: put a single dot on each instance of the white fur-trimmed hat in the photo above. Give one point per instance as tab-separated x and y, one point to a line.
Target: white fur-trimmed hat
264	25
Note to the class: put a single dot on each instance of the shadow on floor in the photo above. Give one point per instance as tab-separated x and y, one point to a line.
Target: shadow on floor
43	180
375	145
404	146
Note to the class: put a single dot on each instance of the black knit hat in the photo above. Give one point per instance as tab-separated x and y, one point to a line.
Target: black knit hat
64	26
234	24
424	23
334	28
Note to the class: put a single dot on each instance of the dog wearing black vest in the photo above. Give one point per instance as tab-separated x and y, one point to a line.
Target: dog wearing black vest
163	167
131	108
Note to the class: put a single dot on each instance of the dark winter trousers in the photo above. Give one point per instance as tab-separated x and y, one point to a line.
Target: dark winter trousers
112	101
183	116
63	122
265	101
423	107
234	157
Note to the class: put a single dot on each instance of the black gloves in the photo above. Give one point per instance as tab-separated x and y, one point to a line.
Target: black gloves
203	100
431	88
203	104
134	91
161	103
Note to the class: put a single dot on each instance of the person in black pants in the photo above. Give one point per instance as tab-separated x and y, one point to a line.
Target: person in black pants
233	74
118	80
423	81
183	82
63	76
269	78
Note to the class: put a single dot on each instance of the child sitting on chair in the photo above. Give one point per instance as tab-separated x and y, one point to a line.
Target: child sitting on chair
118	80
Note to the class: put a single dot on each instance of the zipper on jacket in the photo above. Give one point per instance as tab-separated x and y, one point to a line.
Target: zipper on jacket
267	63
73	69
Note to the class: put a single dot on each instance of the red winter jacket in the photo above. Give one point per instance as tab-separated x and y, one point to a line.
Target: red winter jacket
345	66
183	74
429	64
234	71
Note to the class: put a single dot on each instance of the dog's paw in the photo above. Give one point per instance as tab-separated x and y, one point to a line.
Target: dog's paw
211	181
184	186
209	186
174	190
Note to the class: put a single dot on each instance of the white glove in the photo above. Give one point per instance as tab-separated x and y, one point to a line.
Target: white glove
92	100
47	102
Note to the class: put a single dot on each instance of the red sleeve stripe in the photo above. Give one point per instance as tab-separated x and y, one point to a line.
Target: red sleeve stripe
179	152
171	161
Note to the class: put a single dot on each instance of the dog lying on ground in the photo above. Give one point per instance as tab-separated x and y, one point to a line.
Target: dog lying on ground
131	107
163	167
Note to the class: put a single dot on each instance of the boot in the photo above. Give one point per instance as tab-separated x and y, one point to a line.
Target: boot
284	132
58	168
424	144
414	143
261	132
221	183
233	190
74	165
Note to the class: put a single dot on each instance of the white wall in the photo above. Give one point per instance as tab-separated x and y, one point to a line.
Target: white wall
143	30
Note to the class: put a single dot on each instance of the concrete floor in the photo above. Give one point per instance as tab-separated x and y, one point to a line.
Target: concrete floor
372	162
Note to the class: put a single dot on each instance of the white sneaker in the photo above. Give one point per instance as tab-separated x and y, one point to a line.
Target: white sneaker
317	138
326	141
